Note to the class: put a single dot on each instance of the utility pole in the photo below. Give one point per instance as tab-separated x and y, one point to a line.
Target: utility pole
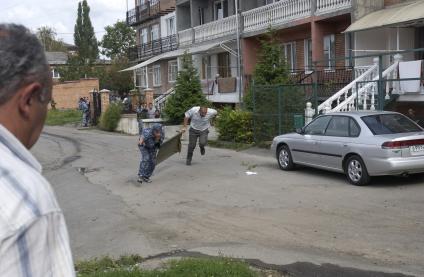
239	73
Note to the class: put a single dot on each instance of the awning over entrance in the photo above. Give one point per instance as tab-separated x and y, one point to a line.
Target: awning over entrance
174	54
409	14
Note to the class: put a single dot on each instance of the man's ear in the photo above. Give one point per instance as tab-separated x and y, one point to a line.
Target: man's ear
26	97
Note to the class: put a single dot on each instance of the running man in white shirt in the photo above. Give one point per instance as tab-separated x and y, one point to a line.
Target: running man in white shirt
33	236
199	129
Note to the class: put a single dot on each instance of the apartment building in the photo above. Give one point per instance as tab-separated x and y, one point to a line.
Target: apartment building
155	25
312	34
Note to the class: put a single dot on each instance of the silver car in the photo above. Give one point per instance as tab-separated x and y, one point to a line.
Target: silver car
360	144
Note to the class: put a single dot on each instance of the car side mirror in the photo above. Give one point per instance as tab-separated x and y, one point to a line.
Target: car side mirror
299	131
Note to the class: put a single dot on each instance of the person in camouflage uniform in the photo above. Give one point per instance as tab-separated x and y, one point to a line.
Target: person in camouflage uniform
149	143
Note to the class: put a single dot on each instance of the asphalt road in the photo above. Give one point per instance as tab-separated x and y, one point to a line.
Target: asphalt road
215	208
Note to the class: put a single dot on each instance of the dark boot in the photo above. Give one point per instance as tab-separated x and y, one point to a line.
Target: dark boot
189	157
202	151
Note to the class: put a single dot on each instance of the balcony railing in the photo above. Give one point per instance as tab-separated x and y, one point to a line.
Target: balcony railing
215	29
185	37
277	13
152	48
148	10
324	6
259	19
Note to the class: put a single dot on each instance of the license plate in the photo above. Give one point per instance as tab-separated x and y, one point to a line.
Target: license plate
416	150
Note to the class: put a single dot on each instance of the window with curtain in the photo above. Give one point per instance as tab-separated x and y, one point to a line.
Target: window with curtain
329	51
156	76
172	71
289	51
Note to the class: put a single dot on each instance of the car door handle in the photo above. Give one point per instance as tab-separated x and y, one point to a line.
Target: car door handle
345	145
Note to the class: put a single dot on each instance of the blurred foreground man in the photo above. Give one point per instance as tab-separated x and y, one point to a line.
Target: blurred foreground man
199	118
33	237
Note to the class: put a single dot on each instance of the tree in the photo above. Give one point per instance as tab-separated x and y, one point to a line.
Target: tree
117	41
109	77
84	36
188	92
271	68
47	36
112	79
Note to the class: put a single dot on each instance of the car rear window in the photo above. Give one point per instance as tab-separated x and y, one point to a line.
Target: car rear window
382	124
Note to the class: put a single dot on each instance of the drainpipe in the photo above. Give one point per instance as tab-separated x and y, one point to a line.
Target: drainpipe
240	79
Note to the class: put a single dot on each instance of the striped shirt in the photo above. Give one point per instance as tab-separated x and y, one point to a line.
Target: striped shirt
33	236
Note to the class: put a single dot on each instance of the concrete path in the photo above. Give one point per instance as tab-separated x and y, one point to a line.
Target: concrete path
214	208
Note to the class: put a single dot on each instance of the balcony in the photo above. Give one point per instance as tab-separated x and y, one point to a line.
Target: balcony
209	31
148	10
259	19
329	6
156	47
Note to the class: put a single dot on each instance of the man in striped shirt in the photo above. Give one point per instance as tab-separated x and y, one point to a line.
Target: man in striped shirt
33	237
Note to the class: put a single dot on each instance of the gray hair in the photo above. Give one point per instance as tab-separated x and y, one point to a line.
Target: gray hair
22	61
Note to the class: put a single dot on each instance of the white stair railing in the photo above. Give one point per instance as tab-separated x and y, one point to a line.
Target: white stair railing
160	101
365	96
348	90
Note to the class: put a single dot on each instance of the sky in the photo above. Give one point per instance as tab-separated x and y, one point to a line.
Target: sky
62	14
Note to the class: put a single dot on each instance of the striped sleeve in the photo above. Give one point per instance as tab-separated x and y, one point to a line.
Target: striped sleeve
39	250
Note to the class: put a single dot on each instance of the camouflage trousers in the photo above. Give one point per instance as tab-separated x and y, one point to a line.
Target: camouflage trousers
148	161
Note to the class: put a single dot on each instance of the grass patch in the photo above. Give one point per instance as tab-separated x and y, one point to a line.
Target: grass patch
219	267
62	117
229	145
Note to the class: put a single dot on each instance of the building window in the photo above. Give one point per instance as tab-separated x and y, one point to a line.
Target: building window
156	76
206	68
329	51
172	71
154	32
143	36
141	77
224	68
308	54
289	51
55	74
201	16
170	26
220	9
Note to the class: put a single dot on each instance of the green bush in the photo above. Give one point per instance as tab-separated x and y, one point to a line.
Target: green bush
235	125
110	119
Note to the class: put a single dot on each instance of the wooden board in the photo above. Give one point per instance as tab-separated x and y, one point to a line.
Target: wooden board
169	148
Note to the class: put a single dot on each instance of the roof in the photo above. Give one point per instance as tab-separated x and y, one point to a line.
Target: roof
56	58
406	14
173	54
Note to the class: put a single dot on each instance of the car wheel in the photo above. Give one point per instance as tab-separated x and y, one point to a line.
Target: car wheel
356	171
284	157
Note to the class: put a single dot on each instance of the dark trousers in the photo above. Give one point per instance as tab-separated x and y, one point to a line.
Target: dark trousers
148	161
193	135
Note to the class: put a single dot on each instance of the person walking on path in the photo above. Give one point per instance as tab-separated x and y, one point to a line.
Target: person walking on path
150	141
33	235
199	129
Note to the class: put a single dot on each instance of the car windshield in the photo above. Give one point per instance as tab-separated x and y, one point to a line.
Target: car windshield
382	124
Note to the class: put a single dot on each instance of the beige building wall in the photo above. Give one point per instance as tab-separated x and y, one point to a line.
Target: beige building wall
67	94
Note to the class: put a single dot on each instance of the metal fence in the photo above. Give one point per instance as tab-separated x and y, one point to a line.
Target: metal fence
279	109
